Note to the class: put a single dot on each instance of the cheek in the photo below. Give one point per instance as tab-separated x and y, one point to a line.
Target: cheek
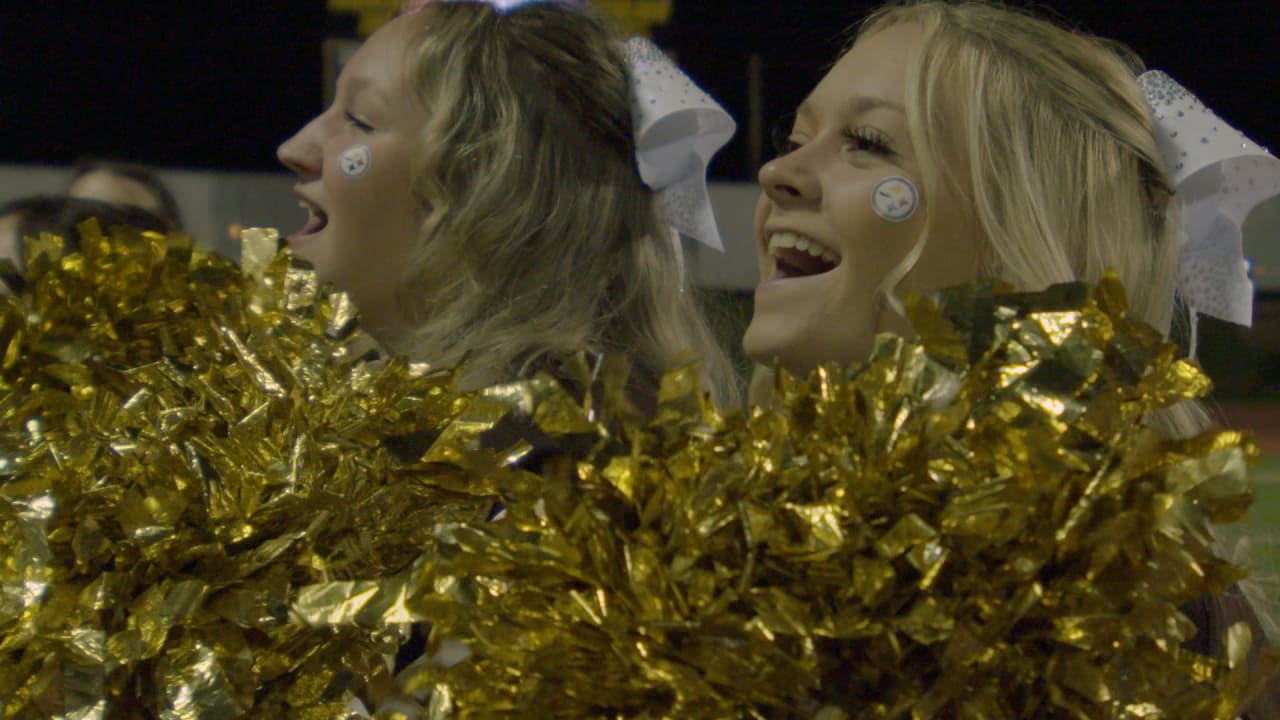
951	257
887	219
873	247
373	215
355	161
373	183
945	262
895	199
349	172
884	221
397	218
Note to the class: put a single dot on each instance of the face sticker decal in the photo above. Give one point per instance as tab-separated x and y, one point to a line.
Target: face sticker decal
354	161
895	198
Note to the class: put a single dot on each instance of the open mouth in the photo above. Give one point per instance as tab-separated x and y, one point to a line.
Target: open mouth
799	256
316	219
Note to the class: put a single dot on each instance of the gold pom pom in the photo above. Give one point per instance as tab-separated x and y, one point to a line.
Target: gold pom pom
183	448
975	524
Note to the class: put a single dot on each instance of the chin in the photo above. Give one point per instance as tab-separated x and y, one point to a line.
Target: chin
320	265
799	355
303	250
766	348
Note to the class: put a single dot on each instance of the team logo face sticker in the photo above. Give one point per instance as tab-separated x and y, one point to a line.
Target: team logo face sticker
354	161
895	198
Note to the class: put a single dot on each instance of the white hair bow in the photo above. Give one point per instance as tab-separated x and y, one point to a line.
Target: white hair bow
678	128
411	6
1219	176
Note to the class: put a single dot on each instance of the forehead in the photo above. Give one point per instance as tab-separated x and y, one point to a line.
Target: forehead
875	67
384	57
378	78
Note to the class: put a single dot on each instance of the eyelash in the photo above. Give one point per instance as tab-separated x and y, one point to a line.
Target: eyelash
866	140
860	140
357	123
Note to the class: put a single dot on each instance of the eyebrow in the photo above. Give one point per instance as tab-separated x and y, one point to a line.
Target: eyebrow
858	105
358	83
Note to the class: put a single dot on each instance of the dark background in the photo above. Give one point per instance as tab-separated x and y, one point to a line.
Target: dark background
218	84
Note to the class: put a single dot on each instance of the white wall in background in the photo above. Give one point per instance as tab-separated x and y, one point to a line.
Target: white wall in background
209	201
212	201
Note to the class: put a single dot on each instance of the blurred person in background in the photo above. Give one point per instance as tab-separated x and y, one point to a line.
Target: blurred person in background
123	183
29	217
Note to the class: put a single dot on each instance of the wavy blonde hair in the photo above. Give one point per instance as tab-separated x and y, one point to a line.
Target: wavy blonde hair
1043	137
539	240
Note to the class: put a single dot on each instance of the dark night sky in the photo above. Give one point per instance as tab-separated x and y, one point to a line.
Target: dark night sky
218	83
1229	56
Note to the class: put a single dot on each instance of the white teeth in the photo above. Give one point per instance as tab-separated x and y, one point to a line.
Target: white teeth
803	244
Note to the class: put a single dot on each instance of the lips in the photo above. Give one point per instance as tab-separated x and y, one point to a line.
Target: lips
796	255
317	219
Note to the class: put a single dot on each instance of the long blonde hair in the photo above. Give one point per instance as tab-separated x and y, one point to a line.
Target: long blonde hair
1043	136
539	241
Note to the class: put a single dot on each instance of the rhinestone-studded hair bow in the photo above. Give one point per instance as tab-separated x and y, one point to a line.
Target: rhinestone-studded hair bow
1220	176
411	6
678	129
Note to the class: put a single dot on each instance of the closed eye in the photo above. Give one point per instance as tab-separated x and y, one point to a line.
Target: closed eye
357	123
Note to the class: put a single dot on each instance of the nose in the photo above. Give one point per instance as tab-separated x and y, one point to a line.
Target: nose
790	179
302	153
